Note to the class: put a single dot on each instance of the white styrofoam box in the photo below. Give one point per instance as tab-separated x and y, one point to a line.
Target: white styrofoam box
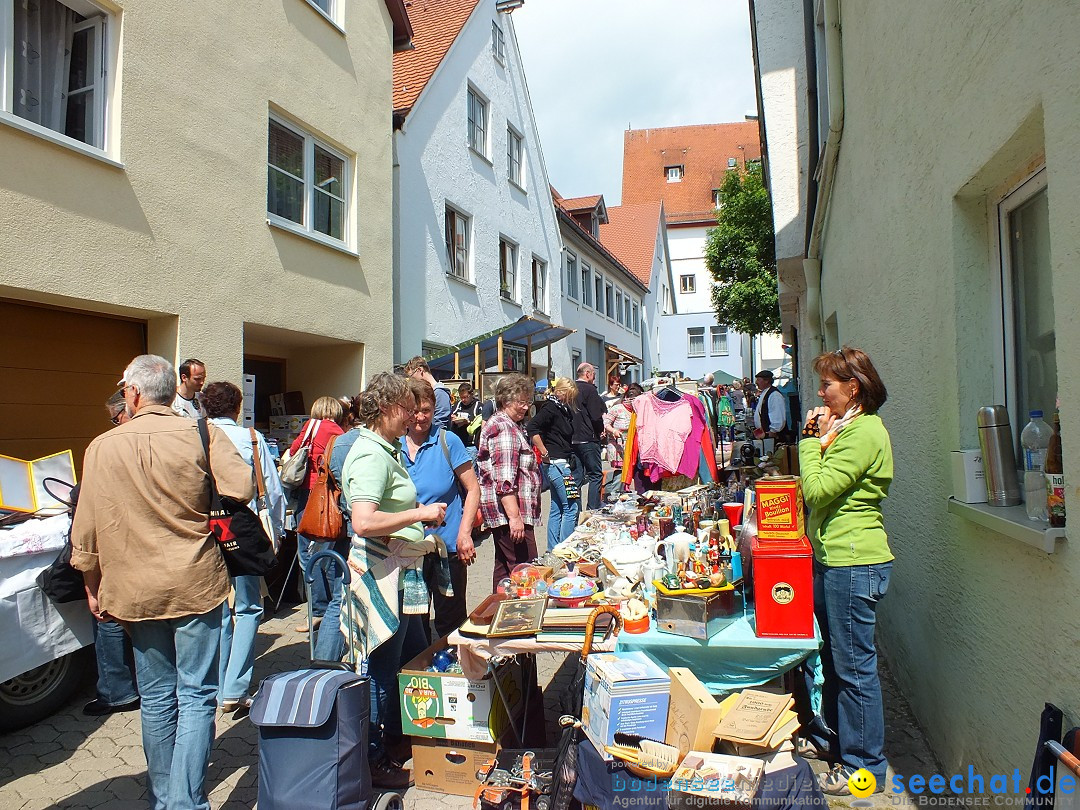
968	476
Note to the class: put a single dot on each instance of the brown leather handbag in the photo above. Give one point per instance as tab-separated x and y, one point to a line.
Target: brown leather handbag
322	520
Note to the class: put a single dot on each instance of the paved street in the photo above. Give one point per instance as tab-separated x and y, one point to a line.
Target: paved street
72	761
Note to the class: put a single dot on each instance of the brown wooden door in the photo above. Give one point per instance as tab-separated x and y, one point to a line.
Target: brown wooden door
57	368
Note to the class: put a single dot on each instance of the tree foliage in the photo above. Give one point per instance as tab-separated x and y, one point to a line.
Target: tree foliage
741	255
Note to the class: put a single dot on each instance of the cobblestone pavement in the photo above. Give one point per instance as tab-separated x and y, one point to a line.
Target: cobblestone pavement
73	761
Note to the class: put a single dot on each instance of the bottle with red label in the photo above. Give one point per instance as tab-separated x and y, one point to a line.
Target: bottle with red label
1055	478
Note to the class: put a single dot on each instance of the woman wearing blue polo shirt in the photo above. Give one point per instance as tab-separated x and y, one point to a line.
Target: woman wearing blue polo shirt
441	469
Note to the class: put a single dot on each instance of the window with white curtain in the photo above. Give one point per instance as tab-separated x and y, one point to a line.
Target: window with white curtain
308	182
586	285
695	341
718	337
618	306
508	253
56	76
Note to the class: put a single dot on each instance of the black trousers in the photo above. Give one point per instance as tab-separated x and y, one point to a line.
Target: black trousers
450	611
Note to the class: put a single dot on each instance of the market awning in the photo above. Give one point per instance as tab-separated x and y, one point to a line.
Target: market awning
526	332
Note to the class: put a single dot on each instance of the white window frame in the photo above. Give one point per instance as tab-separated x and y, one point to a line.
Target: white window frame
637	318
626	310
332	14
732	163
618	306
587	285
498	42
103	22
539	284
474	102
674	174
688	284
714	333
515	156
305	228
508	259
609	300
1007	382
598	290
573	275
717	199
458	254
691	333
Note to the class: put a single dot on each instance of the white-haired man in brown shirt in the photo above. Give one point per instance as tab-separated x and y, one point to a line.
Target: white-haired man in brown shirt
141	537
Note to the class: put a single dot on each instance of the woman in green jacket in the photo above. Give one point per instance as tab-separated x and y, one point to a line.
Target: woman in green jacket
846	464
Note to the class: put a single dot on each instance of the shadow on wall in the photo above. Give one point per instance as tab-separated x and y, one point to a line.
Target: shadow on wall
307	257
305	19
72	182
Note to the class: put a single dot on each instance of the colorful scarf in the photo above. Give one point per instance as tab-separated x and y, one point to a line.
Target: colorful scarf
853	413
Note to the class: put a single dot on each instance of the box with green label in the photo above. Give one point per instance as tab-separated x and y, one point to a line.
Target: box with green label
452	707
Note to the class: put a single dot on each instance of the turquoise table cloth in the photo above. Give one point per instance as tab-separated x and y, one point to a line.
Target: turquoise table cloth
733	659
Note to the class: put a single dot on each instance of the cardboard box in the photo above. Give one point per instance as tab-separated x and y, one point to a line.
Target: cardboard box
968	476
780	508
249	400
449	766
625	692
692	713
449	706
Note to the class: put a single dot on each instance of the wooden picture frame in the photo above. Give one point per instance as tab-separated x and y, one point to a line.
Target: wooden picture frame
518	617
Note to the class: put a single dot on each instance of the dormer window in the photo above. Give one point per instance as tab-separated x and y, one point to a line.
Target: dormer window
674	173
732	163
717	201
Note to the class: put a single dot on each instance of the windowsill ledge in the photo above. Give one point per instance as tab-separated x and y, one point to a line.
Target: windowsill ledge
58	138
1011	521
317	238
481	156
334	23
462	281
515	184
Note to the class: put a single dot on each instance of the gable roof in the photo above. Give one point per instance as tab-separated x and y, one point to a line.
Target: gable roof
435	26
702	150
630	234
565	215
574	204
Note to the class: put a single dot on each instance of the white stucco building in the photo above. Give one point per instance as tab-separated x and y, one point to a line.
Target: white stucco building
477	246
603	300
685	167
925	211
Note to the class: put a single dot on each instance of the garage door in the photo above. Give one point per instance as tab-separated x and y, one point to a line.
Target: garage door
57	368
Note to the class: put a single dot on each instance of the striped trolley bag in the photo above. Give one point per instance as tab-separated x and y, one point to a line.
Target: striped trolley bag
313	732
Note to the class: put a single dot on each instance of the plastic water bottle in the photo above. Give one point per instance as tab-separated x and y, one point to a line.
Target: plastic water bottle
1035	439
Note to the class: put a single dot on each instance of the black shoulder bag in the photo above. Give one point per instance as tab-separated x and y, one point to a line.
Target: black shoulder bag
241	537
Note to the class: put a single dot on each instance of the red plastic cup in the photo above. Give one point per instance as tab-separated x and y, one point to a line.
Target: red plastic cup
734	513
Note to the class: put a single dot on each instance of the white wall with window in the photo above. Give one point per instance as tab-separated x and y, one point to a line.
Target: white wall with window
470	142
457	243
573	278
57	62
718	342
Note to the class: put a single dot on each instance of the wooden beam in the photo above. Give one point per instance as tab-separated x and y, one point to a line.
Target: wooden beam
476	369
528	355
499	366
457	365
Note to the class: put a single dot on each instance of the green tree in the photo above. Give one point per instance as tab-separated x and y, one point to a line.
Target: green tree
741	255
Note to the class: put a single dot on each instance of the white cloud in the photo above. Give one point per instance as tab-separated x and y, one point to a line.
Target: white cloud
595	67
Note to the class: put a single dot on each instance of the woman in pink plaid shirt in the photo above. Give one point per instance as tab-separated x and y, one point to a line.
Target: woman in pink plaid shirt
509	477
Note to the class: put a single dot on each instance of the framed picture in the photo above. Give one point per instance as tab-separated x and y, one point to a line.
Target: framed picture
518	617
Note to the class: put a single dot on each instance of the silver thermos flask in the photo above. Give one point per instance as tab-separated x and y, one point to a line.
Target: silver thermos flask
996	442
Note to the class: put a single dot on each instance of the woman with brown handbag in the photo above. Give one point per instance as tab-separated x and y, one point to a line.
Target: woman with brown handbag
331	415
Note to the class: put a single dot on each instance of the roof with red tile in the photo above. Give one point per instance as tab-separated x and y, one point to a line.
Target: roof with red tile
702	150
580	203
630	234
435	26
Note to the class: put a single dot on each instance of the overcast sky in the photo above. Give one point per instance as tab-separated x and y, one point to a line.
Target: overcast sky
596	67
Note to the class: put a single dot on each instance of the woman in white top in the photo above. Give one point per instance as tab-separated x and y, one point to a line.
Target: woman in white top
222	402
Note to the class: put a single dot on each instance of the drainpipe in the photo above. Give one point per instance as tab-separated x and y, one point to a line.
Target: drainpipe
812	263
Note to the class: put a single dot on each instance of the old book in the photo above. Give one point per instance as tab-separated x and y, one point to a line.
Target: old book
753	717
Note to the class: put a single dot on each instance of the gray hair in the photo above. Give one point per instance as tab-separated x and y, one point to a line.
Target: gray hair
155	378
709	379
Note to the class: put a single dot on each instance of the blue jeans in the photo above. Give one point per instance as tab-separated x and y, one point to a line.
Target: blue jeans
238	629
383	666
318	592
590	468
563	515
176	661
852	722
330	643
115	665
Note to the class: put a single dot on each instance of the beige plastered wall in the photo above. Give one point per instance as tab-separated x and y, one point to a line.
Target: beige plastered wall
948	103
179	234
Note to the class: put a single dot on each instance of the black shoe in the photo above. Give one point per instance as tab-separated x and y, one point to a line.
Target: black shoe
385	775
95	708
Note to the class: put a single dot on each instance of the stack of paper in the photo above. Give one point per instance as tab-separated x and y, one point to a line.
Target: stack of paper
756	722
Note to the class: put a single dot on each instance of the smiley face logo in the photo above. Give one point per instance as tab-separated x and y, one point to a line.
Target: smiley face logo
862	783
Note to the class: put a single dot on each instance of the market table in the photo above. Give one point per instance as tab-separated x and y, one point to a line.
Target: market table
733	659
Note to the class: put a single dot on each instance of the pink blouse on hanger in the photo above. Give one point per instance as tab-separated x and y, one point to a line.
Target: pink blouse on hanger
662	430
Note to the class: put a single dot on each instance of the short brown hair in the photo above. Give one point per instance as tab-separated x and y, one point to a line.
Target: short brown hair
328	408
221	399
417	362
383	390
854	364
422	390
511	387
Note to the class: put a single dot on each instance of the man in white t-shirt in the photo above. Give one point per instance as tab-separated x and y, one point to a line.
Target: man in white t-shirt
770	415
192	379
